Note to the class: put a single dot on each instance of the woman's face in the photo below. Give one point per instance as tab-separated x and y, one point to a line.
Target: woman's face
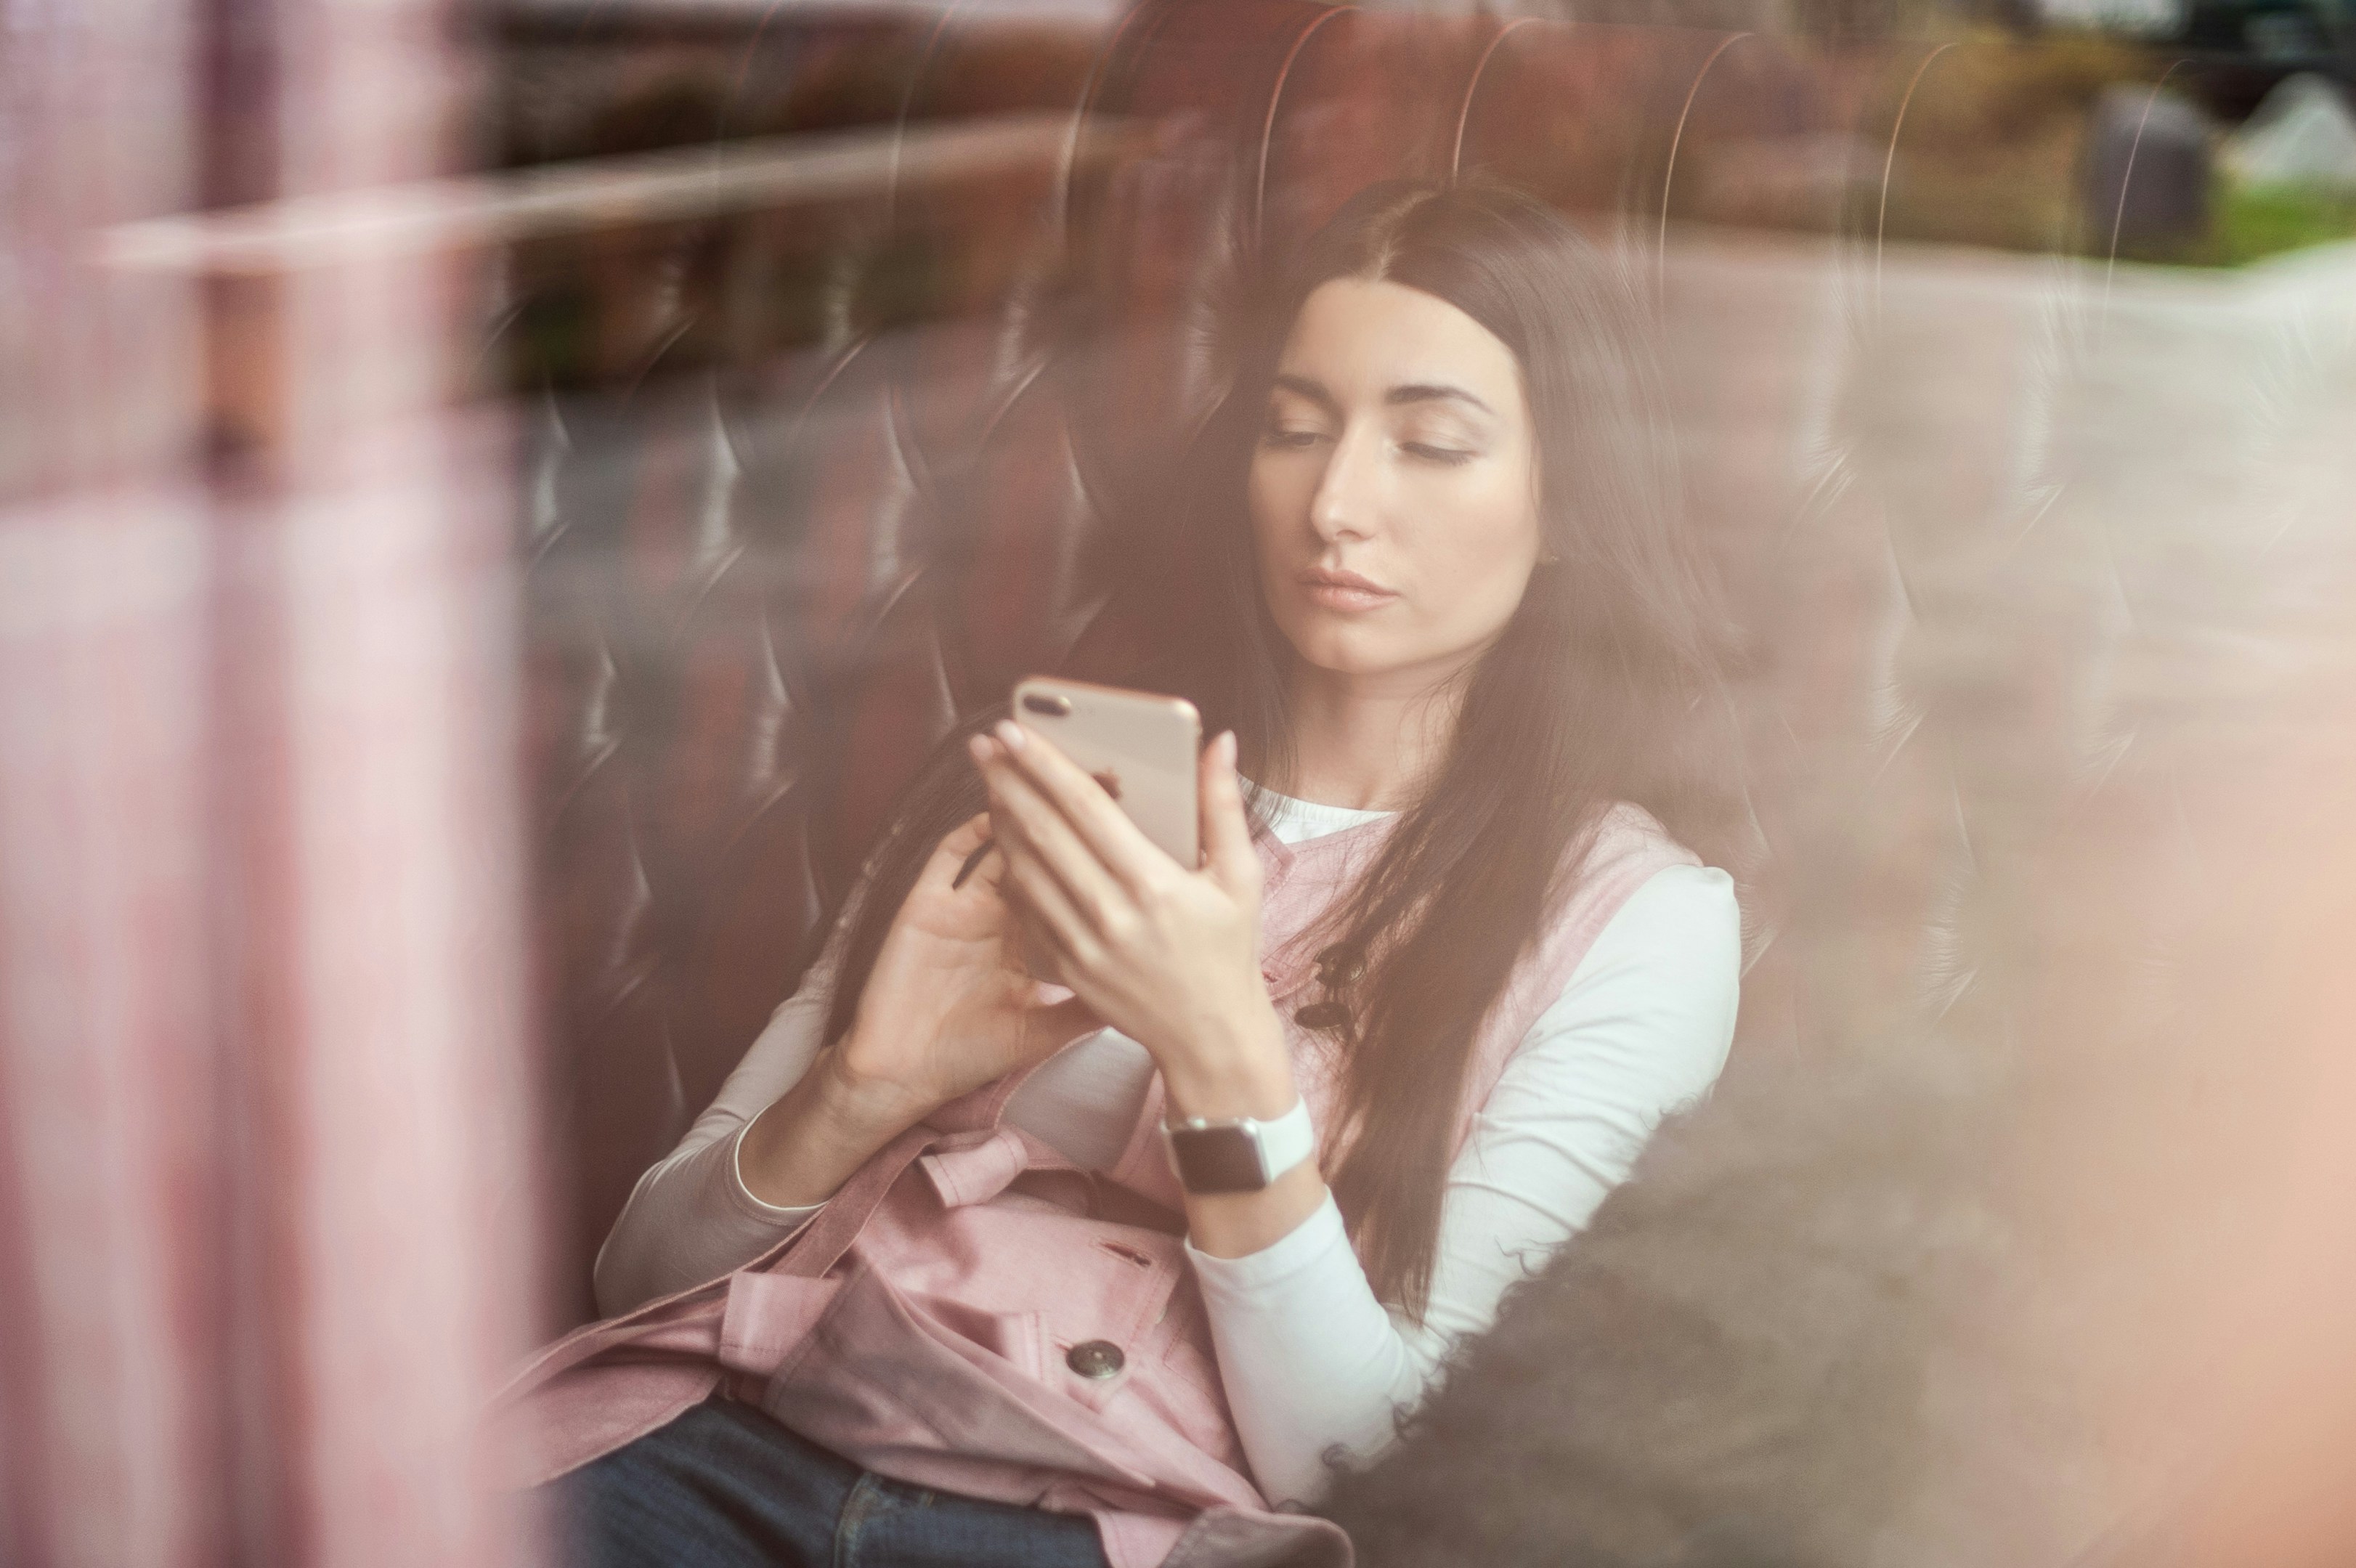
1393	491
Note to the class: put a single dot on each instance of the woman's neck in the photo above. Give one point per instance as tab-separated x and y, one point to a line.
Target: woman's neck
1368	744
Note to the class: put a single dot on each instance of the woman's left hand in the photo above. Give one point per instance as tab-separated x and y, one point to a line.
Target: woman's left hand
1167	954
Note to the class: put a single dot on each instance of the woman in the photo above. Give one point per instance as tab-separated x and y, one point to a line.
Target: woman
1453	631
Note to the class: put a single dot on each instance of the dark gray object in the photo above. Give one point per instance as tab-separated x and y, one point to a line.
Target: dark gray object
2157	152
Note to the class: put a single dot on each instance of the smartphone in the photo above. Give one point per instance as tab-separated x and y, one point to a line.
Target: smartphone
1143	747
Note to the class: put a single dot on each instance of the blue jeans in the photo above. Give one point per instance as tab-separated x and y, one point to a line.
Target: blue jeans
725	1487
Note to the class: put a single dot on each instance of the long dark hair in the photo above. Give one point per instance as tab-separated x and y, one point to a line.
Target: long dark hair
1579	703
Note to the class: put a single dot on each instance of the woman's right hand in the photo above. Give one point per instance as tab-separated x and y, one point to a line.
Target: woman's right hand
948	1006
947	1009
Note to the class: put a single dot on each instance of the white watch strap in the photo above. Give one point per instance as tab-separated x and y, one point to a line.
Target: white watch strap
1288	1140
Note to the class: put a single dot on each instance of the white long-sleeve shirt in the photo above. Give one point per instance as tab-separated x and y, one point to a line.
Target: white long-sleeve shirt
1316	1369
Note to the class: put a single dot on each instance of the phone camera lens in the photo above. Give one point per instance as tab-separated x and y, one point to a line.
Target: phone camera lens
1053	706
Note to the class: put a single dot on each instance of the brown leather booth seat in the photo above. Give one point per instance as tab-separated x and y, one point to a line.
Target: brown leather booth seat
804	483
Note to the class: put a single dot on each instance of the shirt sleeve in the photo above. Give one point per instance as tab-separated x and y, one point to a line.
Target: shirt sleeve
1317	1372
690	1218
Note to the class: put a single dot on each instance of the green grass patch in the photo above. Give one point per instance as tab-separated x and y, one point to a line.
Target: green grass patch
2246	224
2271	220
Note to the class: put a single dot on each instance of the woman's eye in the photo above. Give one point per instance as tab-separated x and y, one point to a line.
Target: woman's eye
1426	452
1292	440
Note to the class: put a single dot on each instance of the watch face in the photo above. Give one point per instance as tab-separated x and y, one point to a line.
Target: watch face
1216	1159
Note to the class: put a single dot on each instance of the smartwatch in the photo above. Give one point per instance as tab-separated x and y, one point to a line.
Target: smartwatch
1237	1154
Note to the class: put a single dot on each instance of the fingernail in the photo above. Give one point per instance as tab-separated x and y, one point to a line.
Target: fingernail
1009	734
977	748
1228	748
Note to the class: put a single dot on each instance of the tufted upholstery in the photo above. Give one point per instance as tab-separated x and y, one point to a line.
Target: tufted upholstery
803	487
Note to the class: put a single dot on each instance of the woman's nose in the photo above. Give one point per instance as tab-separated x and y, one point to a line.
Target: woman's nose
1345	499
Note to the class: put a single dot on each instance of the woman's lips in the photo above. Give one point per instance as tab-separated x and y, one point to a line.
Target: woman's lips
1344	591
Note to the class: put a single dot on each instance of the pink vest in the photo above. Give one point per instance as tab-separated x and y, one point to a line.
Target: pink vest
918	1326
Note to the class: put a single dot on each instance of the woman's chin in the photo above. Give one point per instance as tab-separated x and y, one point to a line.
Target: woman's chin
1348	653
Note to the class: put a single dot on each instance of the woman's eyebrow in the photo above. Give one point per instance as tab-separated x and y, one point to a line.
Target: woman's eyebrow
1414	391
1430	392
1302	386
